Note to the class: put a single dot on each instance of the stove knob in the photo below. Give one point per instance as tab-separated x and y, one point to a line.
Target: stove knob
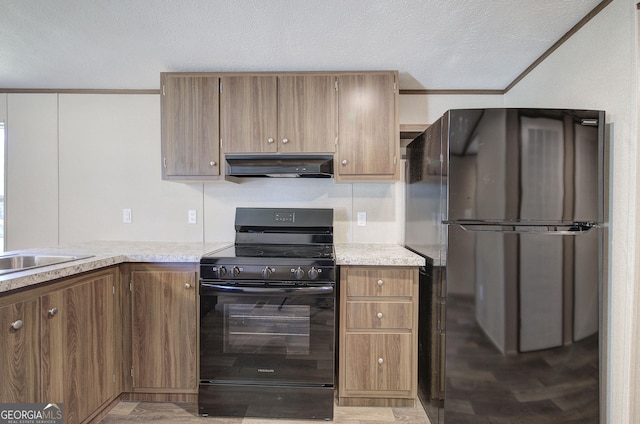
222	271
235	271
298	273
266	272
313	273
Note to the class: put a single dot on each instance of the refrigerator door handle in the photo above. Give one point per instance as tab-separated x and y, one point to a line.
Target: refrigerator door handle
571	228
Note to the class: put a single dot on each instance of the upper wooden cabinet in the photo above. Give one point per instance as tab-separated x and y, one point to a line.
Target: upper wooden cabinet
368	130
205	115
190	126
248	114
287	113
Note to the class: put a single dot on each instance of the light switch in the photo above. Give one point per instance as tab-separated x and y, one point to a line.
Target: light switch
127	216
362	219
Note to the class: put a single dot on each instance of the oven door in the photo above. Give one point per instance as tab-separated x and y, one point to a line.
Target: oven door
281	334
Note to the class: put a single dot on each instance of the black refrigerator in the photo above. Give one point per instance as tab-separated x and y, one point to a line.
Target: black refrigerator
510	206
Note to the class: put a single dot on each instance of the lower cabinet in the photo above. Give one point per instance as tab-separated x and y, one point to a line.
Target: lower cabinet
77	345
20	351
378	336
83	341
164	328
58	344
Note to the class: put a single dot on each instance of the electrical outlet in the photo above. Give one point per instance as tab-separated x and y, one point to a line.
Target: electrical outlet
127	217
193	216
362	219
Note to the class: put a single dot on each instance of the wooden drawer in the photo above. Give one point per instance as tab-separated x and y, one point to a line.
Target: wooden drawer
379	362
383	315
363	281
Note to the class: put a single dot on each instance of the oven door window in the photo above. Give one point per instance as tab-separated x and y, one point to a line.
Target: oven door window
267	328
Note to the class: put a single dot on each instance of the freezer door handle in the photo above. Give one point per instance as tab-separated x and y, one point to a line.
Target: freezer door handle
571	228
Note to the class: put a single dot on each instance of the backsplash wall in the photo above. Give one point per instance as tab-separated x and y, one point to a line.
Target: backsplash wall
100	154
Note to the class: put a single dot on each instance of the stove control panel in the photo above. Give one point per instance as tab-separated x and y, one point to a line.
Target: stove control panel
267	272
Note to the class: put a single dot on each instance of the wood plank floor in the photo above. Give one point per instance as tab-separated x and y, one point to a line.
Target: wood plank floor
127	412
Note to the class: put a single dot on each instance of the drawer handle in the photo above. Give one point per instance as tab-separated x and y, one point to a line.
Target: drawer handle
17	325
380	283
187	286
380	361
53	311
379	315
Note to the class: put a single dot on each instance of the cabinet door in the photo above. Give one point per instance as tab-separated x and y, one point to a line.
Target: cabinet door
78	346
378	362
190	138
307	120
368	132
20	353
164	329
249	114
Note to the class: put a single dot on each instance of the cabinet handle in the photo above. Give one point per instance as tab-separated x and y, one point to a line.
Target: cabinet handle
187	286
380	361
285	140
344	162
270	140
53	311
17	325
379	315
212	163
380	283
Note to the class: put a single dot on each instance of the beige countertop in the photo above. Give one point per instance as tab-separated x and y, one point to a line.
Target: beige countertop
376	254
107	253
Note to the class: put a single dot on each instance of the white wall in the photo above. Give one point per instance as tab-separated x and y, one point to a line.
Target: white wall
31	216
425	109
596	69
110	160
77	160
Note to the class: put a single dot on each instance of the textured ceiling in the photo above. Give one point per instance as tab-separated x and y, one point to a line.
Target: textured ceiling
125	44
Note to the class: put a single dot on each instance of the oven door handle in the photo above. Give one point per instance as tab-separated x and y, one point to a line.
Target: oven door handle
207	288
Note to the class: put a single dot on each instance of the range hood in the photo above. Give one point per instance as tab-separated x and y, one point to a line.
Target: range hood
277	165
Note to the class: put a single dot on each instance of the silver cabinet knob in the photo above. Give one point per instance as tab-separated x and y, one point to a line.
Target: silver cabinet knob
17	325
380	283
379	315
285	140
270	140
380	361
212	163
344	162
187	286
53	311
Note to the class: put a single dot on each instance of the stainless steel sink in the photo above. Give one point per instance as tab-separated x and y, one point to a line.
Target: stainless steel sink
21	262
